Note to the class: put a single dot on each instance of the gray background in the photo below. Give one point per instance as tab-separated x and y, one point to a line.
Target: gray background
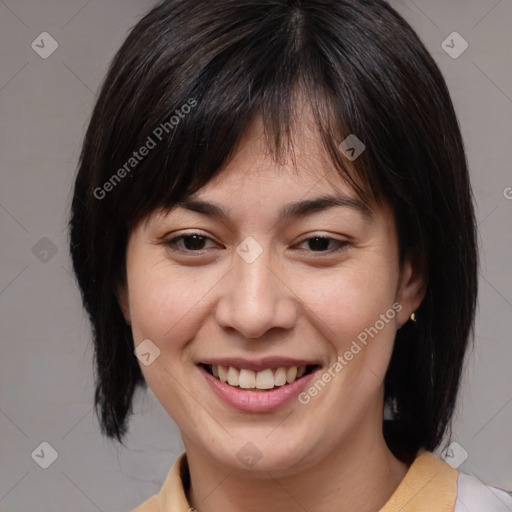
46	374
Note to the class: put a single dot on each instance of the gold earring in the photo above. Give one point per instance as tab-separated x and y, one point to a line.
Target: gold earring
413	317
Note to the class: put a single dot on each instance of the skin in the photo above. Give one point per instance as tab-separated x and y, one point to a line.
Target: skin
290	301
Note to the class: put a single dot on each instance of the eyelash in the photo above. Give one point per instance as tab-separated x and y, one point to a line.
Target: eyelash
172	244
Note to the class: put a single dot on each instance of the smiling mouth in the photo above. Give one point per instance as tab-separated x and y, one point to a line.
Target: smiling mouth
265	380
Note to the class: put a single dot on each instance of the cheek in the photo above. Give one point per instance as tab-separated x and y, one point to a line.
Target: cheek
170	306
355	311
159	300
166	307
349	301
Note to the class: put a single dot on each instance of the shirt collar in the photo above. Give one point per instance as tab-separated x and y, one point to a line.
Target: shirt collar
429	484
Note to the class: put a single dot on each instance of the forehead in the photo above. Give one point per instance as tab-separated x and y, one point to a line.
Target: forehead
254	187
260	181
303	166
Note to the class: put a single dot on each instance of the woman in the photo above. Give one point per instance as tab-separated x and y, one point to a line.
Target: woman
272	227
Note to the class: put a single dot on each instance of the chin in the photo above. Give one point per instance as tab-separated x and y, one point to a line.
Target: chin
264	452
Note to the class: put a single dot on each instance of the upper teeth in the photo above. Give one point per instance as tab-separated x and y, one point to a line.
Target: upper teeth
265	379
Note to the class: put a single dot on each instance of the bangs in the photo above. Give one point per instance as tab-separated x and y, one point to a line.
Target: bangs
178	169
202	100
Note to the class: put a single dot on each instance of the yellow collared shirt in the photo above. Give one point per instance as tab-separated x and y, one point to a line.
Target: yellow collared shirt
430	485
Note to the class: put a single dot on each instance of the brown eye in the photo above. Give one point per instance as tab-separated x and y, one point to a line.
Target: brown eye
323	244
319	243
190	243
194	242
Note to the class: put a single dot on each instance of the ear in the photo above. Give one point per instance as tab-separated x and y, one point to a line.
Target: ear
411	287
124	303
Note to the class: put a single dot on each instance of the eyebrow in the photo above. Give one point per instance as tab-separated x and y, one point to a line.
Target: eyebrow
292	210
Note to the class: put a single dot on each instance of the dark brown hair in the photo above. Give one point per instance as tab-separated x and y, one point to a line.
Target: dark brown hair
363	71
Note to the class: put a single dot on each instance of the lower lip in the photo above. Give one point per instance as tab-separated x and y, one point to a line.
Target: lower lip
257	401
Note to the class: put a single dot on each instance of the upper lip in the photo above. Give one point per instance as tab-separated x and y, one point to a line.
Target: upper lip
259	364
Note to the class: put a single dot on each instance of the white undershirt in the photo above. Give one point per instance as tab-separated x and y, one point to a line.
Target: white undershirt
474	496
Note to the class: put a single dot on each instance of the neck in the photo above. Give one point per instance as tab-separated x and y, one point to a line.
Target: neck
339	482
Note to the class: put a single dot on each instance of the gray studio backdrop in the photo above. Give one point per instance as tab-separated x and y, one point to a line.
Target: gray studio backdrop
53	55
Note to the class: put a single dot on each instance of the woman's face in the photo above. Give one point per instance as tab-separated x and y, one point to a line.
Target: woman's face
262	273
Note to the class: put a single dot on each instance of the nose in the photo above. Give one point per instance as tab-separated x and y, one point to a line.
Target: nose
256	299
